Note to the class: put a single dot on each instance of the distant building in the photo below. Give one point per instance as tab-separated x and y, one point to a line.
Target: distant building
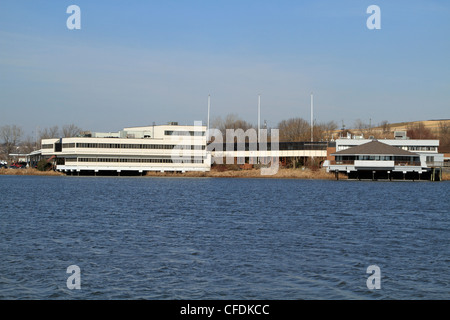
386	159
163	148
176	148
427	149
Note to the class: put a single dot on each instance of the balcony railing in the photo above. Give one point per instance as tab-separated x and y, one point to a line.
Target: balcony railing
396	163
342	162
407	163
438	164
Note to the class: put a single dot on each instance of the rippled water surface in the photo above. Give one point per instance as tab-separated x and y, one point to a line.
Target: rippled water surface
194	238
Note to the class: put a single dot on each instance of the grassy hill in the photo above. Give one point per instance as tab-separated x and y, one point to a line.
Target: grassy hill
433	125
388	131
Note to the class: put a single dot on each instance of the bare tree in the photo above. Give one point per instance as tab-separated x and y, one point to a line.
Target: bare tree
294	129
444	136
325	130
419	131
48	133
28	145
385	126
361	125
231	121
444	128
10	136
70	130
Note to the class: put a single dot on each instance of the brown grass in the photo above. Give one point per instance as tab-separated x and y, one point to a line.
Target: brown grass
320	174
432	125
29	172
254	173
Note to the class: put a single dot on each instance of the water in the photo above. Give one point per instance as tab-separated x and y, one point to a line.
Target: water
194	238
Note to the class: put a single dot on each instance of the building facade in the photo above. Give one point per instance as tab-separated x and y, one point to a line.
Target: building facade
163	148
387	159
427	149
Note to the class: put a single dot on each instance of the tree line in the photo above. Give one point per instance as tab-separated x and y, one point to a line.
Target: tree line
13	139
299	129
293	129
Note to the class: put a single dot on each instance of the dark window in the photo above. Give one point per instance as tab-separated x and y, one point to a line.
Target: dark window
58	147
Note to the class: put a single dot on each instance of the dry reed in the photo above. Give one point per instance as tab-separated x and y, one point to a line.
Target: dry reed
445	176
254	173
29	172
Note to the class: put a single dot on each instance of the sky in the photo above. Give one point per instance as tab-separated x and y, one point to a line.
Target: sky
135	63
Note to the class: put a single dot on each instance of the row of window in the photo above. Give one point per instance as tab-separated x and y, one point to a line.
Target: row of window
377	158
420	148
131	160
126	146
138	146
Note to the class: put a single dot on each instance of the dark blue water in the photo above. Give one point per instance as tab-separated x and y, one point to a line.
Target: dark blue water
194	238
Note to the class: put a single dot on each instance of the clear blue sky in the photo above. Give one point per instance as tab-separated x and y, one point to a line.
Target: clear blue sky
138	62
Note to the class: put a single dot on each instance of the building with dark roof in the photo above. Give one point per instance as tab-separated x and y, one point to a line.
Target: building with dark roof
378	160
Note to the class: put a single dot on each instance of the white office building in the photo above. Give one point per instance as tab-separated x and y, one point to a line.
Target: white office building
162	148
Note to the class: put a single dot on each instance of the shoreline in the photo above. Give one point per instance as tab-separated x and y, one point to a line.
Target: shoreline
284	173
252	173
29	172
305	174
